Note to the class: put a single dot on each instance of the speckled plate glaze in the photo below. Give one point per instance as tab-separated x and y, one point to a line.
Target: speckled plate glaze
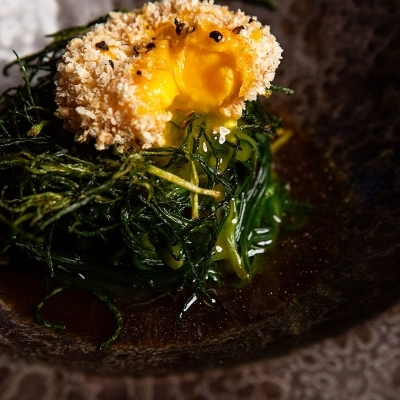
342	59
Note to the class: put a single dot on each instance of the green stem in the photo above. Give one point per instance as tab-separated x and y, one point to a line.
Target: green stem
151	169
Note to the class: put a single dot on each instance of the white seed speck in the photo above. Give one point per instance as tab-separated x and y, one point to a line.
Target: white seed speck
222	134
265	243
218	248
277	219
204	147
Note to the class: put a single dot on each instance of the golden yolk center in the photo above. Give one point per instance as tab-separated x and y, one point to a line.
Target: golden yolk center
154	80
189	70
209	79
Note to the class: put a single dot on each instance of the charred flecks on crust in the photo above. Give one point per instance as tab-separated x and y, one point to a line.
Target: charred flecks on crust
142	49
138	72
190	29
150	46
217	36
111	62
102	45
178	26
238	29
138	49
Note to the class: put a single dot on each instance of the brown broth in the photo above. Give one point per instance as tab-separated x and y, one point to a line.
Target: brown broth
288	270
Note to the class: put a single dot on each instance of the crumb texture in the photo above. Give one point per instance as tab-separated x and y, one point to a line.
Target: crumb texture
123	81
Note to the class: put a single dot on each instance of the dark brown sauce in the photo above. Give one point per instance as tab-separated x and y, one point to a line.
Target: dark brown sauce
288	270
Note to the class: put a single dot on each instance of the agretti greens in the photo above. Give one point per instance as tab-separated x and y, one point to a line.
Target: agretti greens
163	218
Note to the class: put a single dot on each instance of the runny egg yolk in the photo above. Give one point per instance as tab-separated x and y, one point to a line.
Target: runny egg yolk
195	68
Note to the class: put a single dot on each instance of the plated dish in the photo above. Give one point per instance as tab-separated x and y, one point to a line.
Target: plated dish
178	193
340	290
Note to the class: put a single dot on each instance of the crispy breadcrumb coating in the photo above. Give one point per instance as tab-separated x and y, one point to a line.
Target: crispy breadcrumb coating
122	82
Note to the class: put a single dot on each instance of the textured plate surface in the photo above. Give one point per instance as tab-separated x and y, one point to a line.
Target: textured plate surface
342	59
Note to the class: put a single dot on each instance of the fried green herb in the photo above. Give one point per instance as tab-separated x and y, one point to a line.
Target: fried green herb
163	219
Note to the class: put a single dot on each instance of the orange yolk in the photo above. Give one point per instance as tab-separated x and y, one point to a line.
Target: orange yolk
194	70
